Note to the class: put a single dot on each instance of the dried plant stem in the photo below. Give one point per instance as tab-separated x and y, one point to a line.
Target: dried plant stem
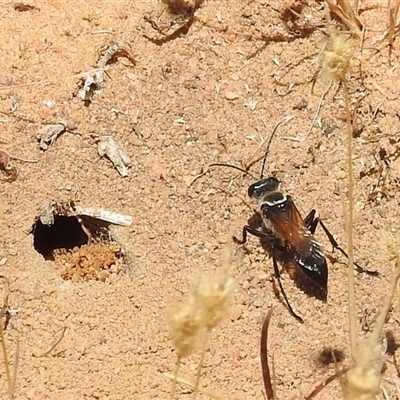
364	379
15	369
207	305
324	382
350	221
175	377
269	383
318	108
6	361
201	363
202	390
54	345
380	321
393	11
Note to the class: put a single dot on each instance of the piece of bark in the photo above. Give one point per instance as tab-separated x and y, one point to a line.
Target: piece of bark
109	147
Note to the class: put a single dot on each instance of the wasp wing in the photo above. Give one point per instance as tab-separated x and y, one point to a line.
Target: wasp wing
286	221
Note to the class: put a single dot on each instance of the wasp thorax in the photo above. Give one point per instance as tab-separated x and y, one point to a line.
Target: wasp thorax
272	199
260	188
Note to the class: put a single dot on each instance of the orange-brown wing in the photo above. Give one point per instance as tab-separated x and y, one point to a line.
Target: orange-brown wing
290	226
284	218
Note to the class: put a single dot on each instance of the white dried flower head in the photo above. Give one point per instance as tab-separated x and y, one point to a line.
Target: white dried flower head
185	325
336	56
214	294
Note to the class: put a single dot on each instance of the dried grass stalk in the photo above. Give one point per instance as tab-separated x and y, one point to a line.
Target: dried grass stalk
393	11
214	294
206	306
334	66
268	384
363	381
4	314
345	13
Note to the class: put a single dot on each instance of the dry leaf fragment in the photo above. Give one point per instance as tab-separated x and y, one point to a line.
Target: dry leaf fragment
49	134
108	55
114	51
47	214
92	83
110	148
22	7
105	215
4	160
10	171
70	209
346	15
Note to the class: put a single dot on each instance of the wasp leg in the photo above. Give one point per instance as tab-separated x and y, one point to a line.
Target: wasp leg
312	225
309	220
248	229
278	278
262	235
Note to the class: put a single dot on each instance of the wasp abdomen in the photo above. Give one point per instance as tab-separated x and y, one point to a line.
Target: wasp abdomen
315	268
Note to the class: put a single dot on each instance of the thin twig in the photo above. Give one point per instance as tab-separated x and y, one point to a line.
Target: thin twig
392	16
175	377
292	139
101	32
201	363
23	159
326	381
201	389
5	357
54	345
3	312
318	109
15	369
350	222
380	320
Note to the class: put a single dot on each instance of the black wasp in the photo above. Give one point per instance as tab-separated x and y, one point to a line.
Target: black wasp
287	232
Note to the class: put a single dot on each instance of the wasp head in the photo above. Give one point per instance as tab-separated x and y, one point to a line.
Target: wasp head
258	189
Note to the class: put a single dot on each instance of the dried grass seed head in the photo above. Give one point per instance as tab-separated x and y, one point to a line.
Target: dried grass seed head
186	327
214	294
204	309
363	381
336	56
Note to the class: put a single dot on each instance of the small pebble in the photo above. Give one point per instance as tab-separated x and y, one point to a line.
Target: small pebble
231	95
235	314
6	80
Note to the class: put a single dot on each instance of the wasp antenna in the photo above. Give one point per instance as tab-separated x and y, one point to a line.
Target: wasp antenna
284	120
234	167
220	165
198	177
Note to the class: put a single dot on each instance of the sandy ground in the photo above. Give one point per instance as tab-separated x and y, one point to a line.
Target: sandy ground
209	95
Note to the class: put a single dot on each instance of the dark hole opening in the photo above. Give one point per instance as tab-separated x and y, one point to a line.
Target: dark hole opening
65	233
392	345
329	356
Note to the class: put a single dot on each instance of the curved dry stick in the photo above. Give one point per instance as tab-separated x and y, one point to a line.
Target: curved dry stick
54	345
4	313
325	382
201	389
264	357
